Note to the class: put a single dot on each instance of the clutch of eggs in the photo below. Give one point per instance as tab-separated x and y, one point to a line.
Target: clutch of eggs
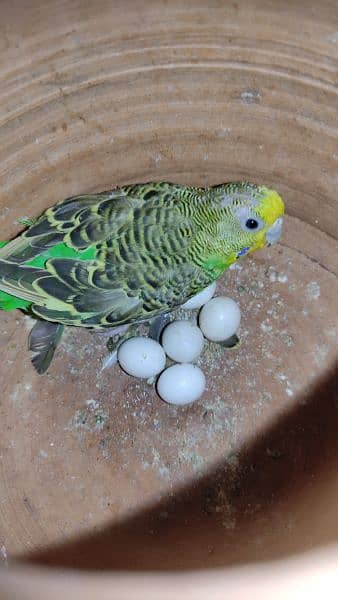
183	342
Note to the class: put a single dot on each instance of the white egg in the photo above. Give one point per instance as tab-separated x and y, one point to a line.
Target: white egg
219	319
182	341
141	357
181	384
201	298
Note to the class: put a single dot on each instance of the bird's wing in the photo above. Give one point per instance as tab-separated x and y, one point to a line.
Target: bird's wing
79	223
51	264
100	260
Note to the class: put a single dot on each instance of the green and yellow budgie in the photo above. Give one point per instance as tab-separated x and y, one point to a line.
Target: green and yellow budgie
131	254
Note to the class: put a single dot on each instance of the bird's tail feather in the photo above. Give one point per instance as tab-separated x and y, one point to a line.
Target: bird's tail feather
7	301
43	340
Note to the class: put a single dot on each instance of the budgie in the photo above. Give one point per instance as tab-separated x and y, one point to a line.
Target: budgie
128	255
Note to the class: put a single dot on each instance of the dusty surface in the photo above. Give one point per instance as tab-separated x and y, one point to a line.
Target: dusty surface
199	96
85	448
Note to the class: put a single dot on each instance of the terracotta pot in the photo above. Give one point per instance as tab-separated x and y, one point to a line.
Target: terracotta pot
97	474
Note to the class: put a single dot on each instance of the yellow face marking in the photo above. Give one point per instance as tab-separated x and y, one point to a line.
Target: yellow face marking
270	207
258	242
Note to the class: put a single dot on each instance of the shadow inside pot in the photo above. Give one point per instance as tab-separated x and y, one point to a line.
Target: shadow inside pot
277	498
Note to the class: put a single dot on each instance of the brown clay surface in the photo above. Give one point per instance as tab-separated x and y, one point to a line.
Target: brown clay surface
96	472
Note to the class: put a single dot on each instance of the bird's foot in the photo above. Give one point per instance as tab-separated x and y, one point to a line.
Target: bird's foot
157	325
117	336
111	332
231	343
120	335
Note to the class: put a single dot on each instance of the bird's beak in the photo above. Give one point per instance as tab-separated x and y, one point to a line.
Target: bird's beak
273	234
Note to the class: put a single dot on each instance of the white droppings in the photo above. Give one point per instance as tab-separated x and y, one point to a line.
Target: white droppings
93	404
105	501
3	212
250	96
91	419
333	37
312	291
282	277
4	554
275	276
288	386
157	461
21	393
286	338
266	327
109	361
320	353
272	275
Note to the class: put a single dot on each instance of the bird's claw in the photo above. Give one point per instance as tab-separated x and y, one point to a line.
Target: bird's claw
157	325
231	343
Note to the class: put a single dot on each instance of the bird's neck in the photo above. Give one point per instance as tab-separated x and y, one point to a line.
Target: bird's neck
209	249
209	254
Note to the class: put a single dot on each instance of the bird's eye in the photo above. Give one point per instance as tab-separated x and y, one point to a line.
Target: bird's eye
249	221
251	224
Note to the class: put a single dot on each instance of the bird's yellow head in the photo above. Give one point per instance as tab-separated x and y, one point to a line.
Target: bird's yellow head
268	213
252	215
248	217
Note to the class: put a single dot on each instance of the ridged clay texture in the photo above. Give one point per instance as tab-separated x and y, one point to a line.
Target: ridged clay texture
96	472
